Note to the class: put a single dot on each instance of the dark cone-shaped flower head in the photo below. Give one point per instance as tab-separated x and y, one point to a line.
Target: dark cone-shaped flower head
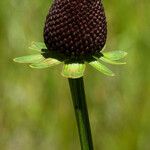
76	28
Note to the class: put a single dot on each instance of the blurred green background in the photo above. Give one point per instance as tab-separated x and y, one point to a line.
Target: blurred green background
36	111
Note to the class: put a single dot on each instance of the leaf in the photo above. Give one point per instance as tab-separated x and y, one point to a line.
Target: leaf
49	62
115	55
29	58
37	46
100	67
73	70
106	60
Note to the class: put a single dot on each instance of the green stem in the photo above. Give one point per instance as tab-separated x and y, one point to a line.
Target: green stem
81	112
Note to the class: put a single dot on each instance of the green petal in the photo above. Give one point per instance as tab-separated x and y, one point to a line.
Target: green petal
29	58
97	65
115	55
73	70
106	60
49	62
37	46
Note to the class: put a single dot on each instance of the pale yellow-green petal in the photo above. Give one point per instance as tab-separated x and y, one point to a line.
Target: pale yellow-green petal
100	67
49	62
109	61
37	46
115	55
29	58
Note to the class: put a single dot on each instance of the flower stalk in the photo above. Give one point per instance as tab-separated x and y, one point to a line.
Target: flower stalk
75	34
81	112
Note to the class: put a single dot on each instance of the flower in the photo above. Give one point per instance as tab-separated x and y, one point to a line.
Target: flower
75	32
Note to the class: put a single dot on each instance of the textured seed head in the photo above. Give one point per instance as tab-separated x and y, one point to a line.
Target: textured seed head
76	28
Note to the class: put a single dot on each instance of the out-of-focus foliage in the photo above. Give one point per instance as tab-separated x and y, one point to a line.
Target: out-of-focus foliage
36	110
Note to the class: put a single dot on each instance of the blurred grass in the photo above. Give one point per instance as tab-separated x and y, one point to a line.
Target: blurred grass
36	110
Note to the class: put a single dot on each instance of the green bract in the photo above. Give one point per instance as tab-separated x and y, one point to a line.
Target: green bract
71	68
